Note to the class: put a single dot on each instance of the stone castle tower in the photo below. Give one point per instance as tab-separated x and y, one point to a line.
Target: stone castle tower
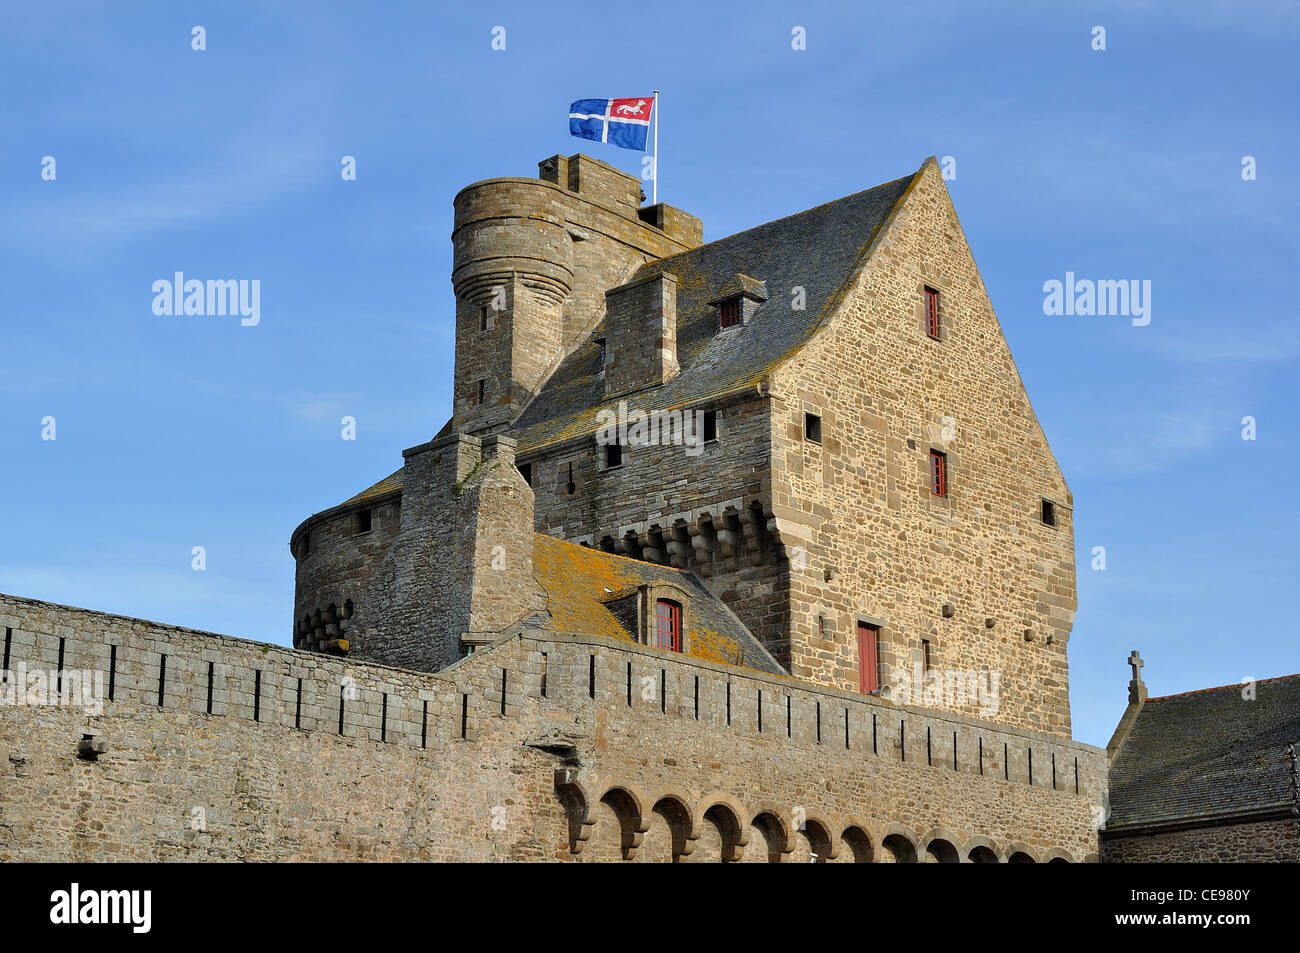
834	360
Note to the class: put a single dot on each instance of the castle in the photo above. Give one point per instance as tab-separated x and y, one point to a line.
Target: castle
751	550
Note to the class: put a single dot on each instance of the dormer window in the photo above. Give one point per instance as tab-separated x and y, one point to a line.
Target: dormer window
668	625
737	300
664	612
729	313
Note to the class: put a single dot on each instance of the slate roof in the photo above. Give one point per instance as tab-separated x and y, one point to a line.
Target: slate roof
1207	752
819	250
586	585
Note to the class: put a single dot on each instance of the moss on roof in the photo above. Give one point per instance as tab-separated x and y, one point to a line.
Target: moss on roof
582	582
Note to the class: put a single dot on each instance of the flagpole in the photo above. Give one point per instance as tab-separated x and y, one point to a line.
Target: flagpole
654	189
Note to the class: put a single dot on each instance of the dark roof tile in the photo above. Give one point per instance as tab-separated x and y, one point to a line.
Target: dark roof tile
1207	752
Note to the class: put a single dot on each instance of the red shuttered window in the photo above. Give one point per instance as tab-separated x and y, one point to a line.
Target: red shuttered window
938	473
729	313
668	625
868	658
932	313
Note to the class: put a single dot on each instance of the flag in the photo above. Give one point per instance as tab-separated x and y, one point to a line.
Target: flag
620	122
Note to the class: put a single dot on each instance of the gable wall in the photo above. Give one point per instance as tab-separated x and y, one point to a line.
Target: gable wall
895	554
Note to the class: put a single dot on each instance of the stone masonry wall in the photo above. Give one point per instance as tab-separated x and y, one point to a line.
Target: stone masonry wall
881	547
334	561
691	511
1276	841
418	602
544	746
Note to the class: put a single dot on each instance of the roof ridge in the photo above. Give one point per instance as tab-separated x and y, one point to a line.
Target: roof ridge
775	221
1219	688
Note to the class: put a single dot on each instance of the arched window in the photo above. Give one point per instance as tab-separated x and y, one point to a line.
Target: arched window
668	625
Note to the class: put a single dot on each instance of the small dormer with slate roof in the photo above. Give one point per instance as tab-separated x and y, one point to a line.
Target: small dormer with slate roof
737	301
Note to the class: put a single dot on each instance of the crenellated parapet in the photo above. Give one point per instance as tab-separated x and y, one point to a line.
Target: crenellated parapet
278	737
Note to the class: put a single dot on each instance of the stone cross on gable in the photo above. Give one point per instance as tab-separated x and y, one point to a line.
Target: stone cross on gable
1137	690
1135	660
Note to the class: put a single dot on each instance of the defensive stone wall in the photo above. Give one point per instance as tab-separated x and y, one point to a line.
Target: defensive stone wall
543	746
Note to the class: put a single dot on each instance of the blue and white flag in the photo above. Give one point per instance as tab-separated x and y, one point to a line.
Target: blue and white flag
620	122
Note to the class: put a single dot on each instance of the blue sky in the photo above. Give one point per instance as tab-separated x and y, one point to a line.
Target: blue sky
224	163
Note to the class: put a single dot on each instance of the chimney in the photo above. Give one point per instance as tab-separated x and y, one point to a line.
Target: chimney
641	333
493	536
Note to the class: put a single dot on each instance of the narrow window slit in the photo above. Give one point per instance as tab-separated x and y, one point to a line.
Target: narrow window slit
58	676
112	671
297	707
211	666
464	716
257	694
162	680
424	724
503	691
383	719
